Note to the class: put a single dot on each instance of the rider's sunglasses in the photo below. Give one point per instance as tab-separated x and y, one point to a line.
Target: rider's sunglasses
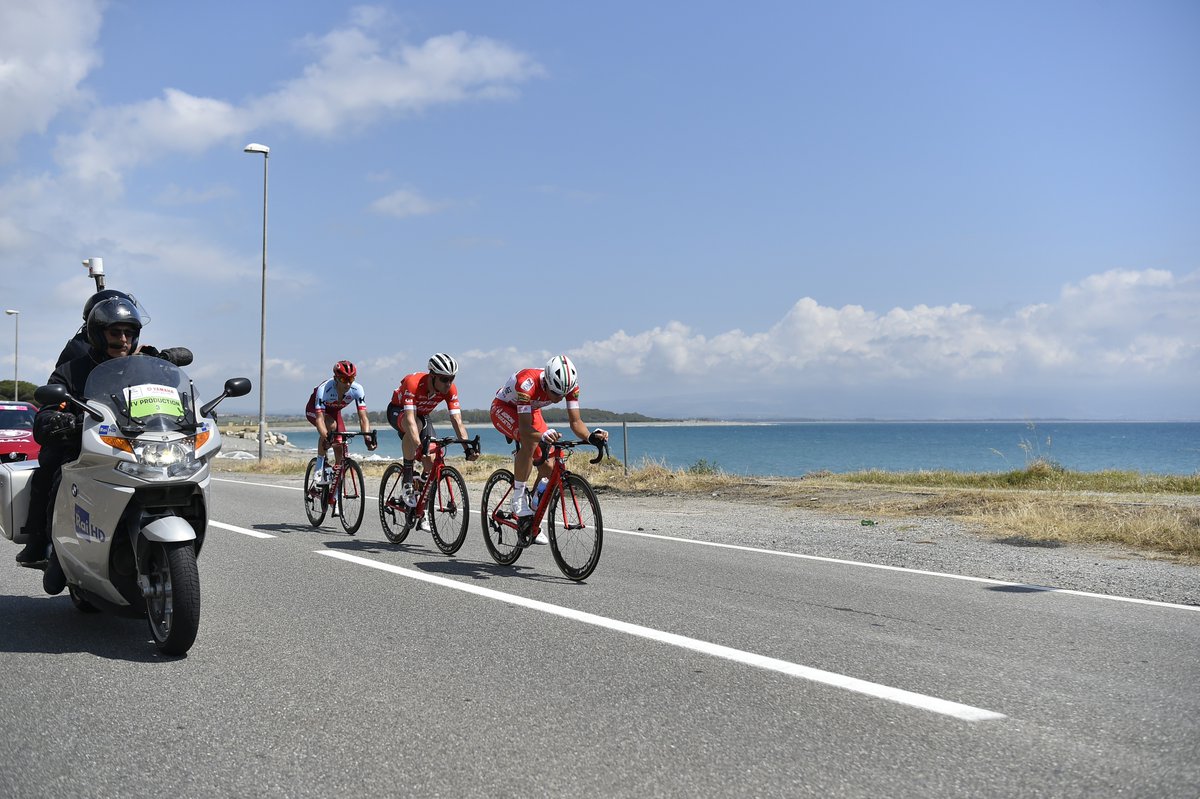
443	379
121	332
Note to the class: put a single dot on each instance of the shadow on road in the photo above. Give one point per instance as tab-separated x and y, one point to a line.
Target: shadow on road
53	626
452	566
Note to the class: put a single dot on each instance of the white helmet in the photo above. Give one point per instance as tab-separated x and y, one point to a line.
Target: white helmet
443	364
559	376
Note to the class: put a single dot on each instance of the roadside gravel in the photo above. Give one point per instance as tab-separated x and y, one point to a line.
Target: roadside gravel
917	542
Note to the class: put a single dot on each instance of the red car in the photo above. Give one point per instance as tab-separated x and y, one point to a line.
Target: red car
16	432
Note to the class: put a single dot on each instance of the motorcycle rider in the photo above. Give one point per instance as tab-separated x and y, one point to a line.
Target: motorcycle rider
113	328
78	344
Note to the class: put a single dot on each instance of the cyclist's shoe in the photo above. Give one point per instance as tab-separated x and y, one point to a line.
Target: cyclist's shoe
521	505
321	482
541	538
409	494
334	514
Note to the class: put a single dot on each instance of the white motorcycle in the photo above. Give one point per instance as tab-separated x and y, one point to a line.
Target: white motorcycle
130	514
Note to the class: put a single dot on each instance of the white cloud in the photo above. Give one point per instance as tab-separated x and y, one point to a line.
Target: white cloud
1120	325
47	48
406	202
356	79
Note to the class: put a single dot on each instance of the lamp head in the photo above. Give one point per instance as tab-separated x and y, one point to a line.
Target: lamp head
257	148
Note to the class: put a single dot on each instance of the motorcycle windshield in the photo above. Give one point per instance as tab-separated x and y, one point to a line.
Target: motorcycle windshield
144	393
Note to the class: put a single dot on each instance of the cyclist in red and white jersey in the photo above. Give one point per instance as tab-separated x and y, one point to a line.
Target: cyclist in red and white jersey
418	396
517	413
324	411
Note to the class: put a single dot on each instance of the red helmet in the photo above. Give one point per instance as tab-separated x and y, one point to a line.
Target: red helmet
345	370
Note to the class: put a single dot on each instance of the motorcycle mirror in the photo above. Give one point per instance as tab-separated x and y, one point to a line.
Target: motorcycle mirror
50	395
237	386
234	387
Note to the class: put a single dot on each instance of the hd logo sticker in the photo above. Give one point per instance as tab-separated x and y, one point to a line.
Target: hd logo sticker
84	528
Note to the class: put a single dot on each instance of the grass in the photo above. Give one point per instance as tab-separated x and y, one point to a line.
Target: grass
1039	504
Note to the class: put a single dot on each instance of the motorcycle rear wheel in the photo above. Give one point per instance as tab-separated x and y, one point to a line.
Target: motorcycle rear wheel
173	604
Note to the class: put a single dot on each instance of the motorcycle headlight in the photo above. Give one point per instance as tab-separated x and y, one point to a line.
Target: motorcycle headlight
162	460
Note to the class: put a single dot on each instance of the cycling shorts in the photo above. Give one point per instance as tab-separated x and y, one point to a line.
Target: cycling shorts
504	419
395	412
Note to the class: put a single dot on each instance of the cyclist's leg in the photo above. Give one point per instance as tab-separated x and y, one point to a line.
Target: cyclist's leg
310	413
334	422
426	435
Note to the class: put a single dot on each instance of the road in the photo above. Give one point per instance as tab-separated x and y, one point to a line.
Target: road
333	666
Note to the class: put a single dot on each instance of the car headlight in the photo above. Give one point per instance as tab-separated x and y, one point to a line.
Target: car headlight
162	460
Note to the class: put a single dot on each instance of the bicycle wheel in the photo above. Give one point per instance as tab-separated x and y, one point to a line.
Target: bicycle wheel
314	497
352	496
393	513
449	511
576	529
501	540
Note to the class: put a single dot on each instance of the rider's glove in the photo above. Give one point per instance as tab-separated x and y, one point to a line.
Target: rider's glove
372	442
180	356
597	436
53	426
550	435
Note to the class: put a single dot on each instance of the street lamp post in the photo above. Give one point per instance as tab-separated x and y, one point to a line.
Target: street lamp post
262	330
16	315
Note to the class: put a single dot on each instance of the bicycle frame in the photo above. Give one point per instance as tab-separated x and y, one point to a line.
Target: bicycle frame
334	488
555	481
435	449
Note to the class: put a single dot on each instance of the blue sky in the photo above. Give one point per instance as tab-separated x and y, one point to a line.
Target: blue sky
737	210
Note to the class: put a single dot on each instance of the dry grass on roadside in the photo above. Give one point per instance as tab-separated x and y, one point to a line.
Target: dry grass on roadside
1040	504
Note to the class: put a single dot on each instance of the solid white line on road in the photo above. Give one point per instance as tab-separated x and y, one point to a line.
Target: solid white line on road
242	530
921	701
1024	586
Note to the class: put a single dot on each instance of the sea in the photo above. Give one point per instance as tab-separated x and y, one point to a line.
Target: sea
794	449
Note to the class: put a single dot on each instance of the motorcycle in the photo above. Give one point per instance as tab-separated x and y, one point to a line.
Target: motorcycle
130	513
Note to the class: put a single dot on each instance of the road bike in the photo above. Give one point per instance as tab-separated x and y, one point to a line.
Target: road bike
345	492
568	504
441	495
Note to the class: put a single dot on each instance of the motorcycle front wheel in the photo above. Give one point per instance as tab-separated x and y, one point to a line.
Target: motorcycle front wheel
173	602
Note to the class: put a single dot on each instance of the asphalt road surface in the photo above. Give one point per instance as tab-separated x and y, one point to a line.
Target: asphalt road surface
329	665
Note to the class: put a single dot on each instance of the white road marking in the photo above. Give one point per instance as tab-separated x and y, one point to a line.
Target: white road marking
987	580
841	562
242	530
921	701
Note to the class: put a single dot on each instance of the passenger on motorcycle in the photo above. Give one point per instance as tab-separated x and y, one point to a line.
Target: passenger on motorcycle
517	413
113	328
324	411
408	414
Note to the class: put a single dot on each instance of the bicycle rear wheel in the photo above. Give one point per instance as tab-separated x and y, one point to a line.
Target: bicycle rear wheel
314	497
576	529
393	513
449	511
352	497
500	539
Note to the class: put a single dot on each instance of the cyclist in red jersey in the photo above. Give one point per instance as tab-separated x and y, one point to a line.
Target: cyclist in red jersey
324	411
408	414
517	413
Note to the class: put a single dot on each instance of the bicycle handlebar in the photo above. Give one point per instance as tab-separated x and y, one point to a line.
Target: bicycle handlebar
470	443
548	449
371	436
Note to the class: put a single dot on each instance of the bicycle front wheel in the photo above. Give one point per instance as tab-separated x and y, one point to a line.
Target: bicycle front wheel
449	511
393	513
499	526
576	529
314	496
351	496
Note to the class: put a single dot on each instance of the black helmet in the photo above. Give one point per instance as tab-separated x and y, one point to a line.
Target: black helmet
105	313
108	294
